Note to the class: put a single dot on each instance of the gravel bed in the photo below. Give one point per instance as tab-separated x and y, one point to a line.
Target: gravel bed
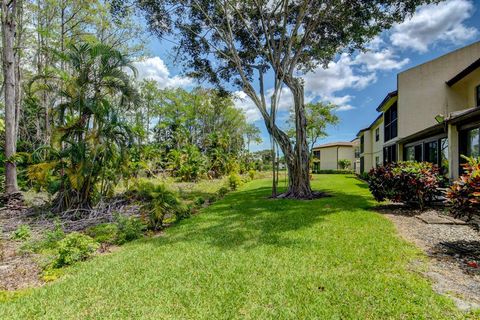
453	249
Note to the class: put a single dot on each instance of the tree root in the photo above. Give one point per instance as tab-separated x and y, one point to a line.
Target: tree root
311	196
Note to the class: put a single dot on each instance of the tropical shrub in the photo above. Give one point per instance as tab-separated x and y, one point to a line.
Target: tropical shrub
128	229
234	181
158	202
74	247
251	174
188	163
222	192
333	171
344	164
48	242
90	141
199	201
103	233
412	183
22	233
463	196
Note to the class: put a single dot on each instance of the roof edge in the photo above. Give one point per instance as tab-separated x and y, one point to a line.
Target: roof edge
389	96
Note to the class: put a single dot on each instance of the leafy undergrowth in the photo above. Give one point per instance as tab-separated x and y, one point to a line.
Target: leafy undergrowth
250	257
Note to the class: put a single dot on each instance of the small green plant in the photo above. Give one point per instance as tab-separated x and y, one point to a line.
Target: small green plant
22	233
129	229
52	237
73	248
212	198
234	181
251	174
199	201
222	192
344	164
158	202
48	242
104	233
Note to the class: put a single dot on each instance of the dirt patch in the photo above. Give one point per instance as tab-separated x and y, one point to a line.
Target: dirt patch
453	249
17	270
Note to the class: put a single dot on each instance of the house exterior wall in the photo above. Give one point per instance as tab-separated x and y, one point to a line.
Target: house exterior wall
423	92
372	148
377	146
329	156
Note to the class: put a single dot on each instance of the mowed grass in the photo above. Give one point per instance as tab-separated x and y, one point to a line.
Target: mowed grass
250	257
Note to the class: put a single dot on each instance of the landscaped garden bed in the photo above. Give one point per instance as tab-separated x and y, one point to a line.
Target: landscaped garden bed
30	236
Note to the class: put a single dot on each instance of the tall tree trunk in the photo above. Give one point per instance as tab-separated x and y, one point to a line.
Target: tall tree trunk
8	40
296	157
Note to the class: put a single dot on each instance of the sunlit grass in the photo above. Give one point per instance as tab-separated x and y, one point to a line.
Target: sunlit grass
250	257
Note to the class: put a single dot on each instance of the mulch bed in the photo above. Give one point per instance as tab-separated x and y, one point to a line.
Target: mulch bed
453	247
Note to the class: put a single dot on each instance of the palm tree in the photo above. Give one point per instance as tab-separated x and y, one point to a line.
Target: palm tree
91	136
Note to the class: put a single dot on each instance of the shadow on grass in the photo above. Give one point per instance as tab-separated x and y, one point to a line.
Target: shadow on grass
359	182
248	219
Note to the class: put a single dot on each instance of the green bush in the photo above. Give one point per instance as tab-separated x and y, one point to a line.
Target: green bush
344	164
463	196
332	171
222	192
364	176
128	229
22	233
212	198
48	242
414	183
104	233
199	201
158	203
51	237
234	181
251	174
74	247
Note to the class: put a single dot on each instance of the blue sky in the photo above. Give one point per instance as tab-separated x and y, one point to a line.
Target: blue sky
356	83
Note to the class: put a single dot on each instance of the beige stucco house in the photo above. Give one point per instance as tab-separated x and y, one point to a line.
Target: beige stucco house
327	156
433	115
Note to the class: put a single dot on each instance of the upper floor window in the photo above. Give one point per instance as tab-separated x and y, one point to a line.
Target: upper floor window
478	95
390	154
316	154
390	120
377	134
362	144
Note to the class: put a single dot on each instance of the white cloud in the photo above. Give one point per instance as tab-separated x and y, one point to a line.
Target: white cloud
154	68
435	22
244	103
338	76
384	59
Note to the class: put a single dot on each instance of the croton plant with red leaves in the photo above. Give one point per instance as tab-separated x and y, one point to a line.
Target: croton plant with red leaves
463	196
412	183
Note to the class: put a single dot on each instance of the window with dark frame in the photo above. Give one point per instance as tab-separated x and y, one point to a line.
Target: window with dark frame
377	134
469	144
390	154
362	144
390	123
478	95
434	151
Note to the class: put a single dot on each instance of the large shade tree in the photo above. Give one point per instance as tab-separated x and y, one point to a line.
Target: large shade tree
240	42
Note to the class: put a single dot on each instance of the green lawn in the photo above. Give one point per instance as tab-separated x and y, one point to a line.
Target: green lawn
249	257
